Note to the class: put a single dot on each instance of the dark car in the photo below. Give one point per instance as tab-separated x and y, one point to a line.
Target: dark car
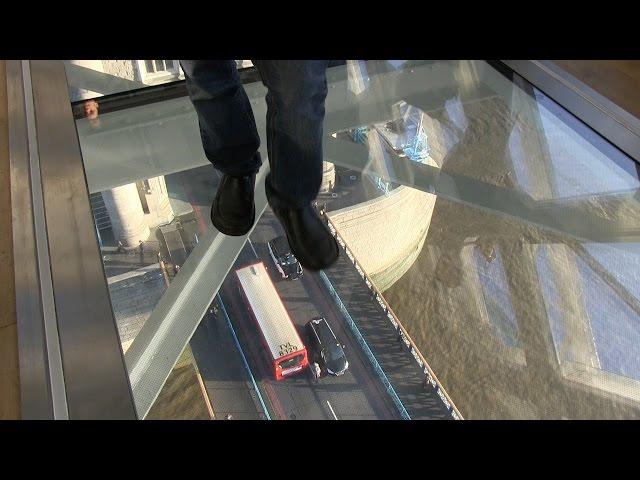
286	263
325	349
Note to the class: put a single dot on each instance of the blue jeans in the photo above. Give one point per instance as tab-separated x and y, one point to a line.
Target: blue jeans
295	113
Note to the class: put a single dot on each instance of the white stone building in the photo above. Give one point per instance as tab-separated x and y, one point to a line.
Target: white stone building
135	208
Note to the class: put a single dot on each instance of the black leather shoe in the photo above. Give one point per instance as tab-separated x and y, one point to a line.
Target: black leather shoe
309	238
233	211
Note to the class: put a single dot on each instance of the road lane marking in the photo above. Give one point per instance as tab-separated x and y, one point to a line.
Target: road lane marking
332	412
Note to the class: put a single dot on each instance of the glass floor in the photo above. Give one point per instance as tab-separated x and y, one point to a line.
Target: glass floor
489	268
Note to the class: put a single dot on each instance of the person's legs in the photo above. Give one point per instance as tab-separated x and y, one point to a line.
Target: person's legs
227	127
295	113
229	138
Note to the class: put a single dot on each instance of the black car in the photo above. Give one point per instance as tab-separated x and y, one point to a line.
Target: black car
286	263
324	347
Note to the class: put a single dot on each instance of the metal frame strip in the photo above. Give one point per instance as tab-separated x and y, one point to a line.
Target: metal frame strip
601	114
95	377
35	383
54	359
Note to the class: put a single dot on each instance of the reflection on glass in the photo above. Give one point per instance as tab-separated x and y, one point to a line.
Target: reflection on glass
497	230
95	78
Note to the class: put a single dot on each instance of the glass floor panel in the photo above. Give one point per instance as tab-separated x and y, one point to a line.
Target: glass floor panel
489	262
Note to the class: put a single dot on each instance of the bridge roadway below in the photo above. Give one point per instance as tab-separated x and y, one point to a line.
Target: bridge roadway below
358	394
398	364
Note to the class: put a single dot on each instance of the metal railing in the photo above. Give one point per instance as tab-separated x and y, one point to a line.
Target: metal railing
403	335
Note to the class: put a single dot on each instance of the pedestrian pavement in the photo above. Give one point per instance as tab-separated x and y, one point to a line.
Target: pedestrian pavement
397	362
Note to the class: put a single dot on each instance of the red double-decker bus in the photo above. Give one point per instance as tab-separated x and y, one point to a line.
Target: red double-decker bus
288	354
